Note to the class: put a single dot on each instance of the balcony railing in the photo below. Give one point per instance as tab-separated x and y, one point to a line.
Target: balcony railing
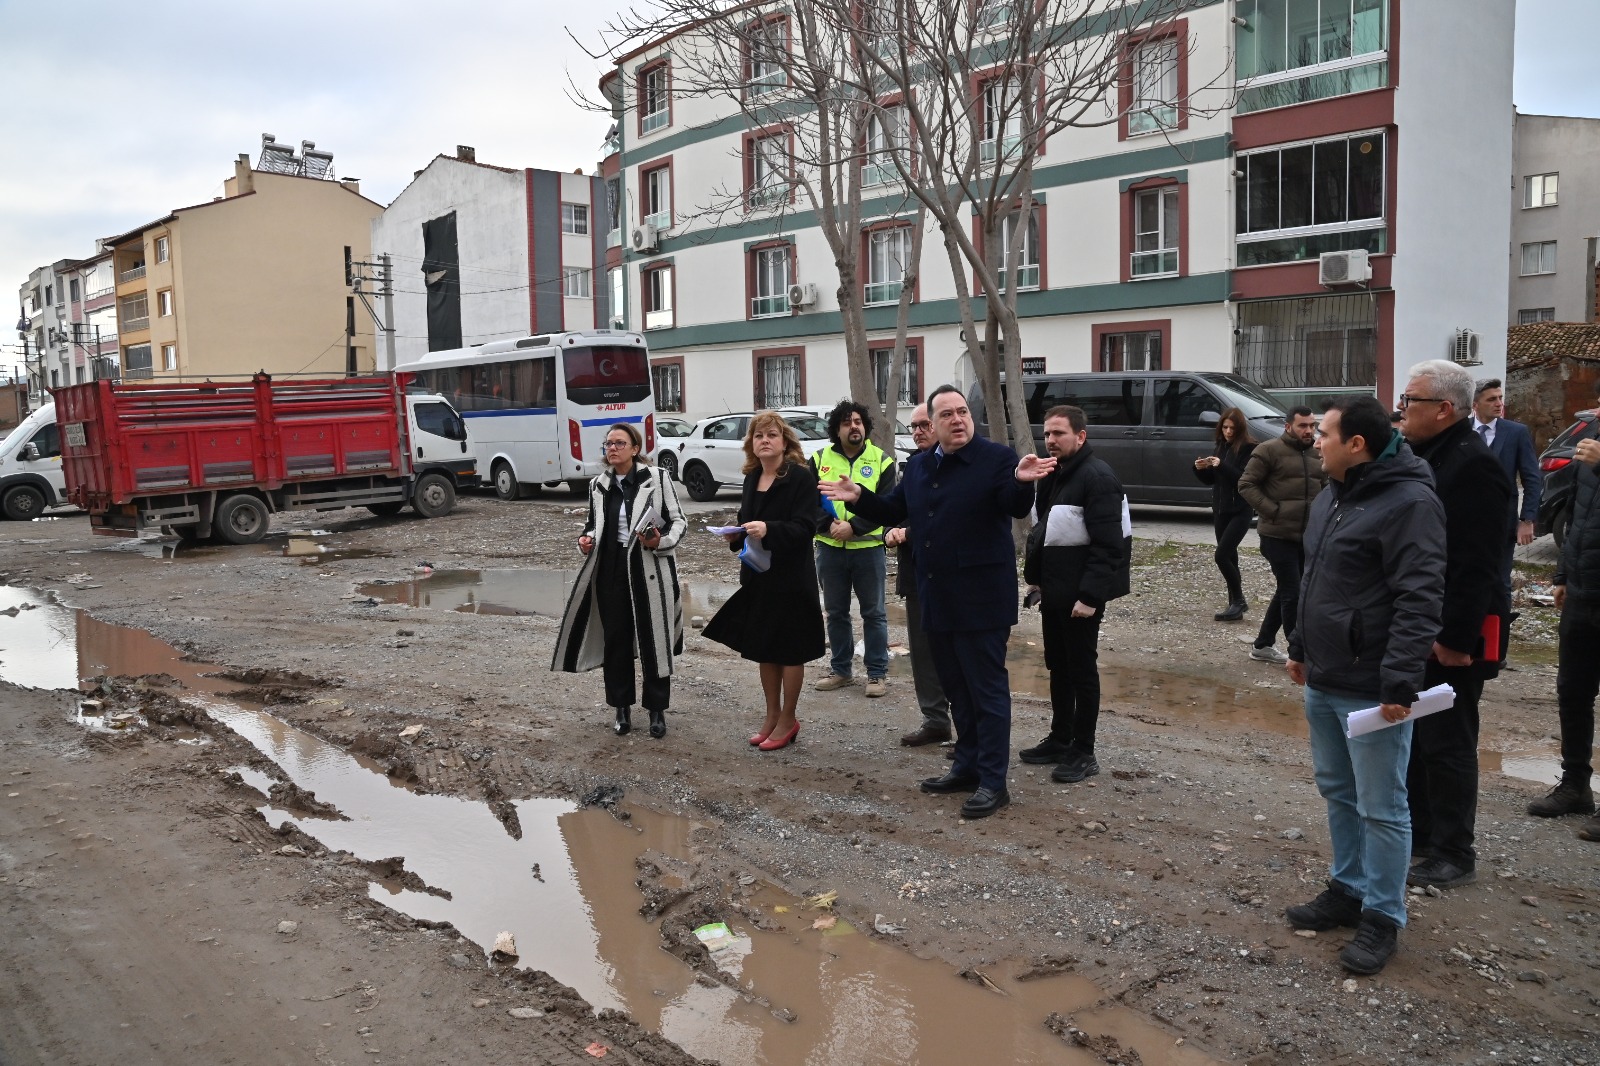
131	274
885	292
769	306
134	325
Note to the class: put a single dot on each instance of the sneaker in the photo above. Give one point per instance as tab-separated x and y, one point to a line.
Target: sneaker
1440	873
1375	941
1565	798
1075	767
830	683
1333	908
1269	654
1045	752
877	686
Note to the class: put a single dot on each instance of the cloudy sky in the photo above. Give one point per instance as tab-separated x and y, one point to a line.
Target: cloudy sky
116	113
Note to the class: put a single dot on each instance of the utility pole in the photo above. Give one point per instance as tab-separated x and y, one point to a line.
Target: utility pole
388	308
382	272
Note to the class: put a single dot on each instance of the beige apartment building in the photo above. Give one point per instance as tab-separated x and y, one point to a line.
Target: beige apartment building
253	280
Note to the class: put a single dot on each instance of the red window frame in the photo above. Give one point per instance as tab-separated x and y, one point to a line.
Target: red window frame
1099	330
747	59
917	345
758	354
1129	217
866	262
664	63
644	292
1042	215
748	163
683	376
750	272
1177	29
646	169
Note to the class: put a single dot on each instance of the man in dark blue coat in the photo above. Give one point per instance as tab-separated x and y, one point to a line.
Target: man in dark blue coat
956	501
1512	444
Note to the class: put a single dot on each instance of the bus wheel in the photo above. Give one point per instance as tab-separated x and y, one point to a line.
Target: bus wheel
506	485
24	503
434	496
241	519
698	480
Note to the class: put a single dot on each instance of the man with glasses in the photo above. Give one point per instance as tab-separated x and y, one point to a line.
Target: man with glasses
1473	626
935	728
1281	479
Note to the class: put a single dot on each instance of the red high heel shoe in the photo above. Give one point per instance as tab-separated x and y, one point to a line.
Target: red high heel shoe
757	738
774	743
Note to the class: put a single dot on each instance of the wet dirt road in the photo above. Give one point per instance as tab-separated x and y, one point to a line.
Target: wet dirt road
1142	907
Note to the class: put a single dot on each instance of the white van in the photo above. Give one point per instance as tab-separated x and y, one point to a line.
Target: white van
30	467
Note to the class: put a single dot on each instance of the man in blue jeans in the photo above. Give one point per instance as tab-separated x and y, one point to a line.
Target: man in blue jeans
1370	602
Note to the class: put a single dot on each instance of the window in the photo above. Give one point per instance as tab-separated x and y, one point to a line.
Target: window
618	277
910	387
575	283
886	139
161	250
575	219
667	381
655	285
767	169
1027	255
49	296
1155	233
1181	402
136	361
497	386
169	356
1292	51
1130	351
726	429
888	250
1002	119
133	313
1538	190
770	269
1155	87
1539	258
77	375
990	13
72	287
55	379
1529	315
876	20
164	303
655	98
1325	342
613	212
657	197
777	381
1301	200
767	48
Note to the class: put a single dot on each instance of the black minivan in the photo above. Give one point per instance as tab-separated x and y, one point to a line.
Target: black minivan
1149	425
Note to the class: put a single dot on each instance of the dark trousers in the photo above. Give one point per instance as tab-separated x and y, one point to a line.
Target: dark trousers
1442	779
1287	558
972	669
1231	527
1577	683
924	671
617	627
1071	654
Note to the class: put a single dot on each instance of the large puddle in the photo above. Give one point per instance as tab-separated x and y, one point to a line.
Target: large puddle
566	892
1167	697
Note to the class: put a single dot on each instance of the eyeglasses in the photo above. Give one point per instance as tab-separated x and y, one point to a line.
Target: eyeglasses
921	425
619	444
1407	401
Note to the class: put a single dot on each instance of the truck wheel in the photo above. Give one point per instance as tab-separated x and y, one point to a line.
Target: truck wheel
578	486
385	510
24	503
698	480
1558	528
241	519
435	497
506	485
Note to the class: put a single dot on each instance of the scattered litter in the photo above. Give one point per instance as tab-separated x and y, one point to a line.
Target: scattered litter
524	1013
1309	934
978	977
1293	833
505	947
598	1050
822	900
885	926
825	922
410	731
747	880
715	936
291	849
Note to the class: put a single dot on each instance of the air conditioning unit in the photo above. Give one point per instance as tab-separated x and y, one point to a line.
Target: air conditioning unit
802	295
646	238
1464	348
1344	268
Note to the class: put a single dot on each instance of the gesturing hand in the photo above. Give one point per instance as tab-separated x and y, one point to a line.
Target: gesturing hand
1034	467
844	490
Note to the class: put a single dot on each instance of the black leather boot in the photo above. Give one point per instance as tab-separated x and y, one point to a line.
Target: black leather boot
1234	612
658	724
624	720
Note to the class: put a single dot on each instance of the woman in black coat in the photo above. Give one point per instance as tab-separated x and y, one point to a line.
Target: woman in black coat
1229	512
775	619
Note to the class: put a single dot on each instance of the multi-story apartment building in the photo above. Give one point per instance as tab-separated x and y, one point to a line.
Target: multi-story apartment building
1555	219
253	280
481	252
69	323
42	331
1184	235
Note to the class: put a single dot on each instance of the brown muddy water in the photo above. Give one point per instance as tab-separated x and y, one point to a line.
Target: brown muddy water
1173	697
566	892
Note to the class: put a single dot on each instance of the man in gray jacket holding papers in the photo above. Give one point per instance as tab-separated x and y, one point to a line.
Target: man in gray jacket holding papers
1370	600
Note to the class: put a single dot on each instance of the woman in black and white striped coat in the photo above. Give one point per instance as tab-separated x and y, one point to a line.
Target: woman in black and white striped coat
625	604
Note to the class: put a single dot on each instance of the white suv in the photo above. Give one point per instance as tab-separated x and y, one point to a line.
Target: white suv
712	455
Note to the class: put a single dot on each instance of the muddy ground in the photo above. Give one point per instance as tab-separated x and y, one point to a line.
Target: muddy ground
141	891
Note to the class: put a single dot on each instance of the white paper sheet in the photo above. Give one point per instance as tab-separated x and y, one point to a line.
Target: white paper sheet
1370	719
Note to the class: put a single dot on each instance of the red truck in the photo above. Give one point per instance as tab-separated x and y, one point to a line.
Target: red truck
205	459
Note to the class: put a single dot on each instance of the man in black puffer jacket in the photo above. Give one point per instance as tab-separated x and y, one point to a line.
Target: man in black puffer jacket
1078	560
1577	583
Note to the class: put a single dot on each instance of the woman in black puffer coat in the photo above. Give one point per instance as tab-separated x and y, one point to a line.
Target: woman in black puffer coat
1221	470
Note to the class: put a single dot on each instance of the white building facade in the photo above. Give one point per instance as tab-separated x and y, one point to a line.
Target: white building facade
483	253
1183	237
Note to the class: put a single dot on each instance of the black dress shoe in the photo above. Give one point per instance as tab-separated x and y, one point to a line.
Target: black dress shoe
950	782
658	724
985	802
925	735
624	720
1232	613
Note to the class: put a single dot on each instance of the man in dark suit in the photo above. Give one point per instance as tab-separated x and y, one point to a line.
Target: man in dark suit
956	501
1477	498
1512	444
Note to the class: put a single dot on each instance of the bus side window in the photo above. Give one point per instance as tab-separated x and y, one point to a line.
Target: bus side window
543	393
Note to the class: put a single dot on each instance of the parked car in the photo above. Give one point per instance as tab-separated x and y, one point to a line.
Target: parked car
1555	502
712	455
1148	425
903	442
669	430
